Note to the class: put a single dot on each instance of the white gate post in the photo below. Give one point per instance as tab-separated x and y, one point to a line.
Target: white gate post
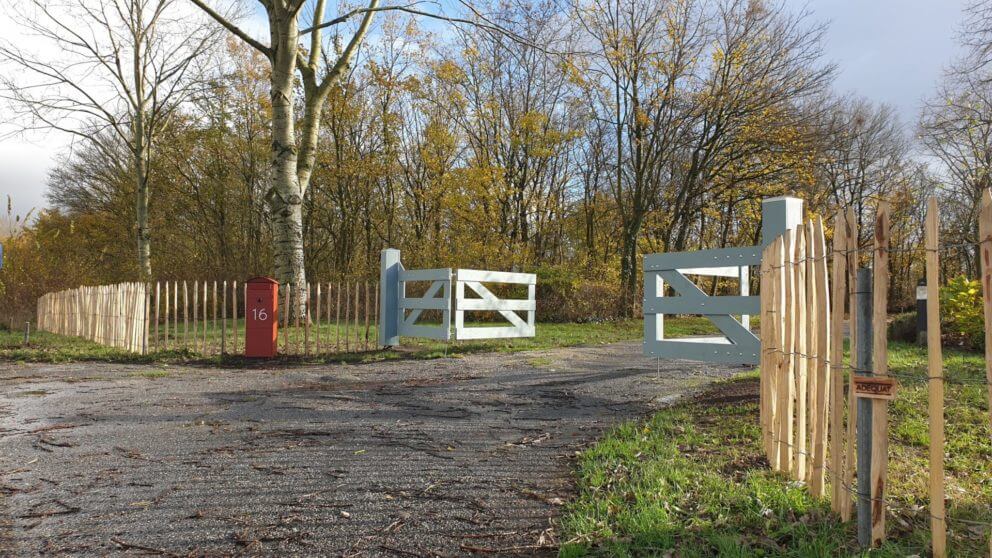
389	282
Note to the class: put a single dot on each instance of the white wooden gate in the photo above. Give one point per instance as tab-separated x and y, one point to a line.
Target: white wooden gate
437	297
486	301
399	313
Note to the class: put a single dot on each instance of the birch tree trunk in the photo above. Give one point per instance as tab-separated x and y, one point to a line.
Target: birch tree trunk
139	139
285	194
143	235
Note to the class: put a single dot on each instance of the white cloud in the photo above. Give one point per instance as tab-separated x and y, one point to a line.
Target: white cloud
25	161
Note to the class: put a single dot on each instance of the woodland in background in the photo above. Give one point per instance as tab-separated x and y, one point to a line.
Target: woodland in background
569	145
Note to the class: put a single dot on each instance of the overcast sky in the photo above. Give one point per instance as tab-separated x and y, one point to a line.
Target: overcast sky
890	51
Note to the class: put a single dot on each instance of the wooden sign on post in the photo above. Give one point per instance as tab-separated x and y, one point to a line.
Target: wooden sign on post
875	387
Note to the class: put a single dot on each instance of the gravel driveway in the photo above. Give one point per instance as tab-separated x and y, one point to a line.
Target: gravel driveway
445	457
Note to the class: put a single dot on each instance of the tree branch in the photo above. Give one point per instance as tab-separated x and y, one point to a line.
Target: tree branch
237	31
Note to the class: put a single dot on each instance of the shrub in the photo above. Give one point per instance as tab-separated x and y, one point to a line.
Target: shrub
903	327
565	296
963	321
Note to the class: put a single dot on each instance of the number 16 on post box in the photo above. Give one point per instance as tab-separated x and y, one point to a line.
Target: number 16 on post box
261	318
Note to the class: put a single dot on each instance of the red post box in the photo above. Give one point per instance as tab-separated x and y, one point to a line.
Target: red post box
261	318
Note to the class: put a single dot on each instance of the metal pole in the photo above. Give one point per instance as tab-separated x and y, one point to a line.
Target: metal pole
862	365
27	332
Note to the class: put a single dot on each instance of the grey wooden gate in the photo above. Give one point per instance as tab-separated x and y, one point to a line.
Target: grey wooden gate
737	345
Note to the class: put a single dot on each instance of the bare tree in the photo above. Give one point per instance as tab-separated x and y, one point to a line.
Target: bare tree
976	38
863	155
646	58
110	66
747	122
956	128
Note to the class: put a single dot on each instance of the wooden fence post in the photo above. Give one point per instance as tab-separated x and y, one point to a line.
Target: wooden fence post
244	301
787	392
935	369
206	322
158	293
775	335
375	314
165	324
316	315
766	350
812	311
880	417
223	322
298	298
185	316
985	247
214	332
347	313
306	324
328	318
835	363
175	312
802	378
823	370
234	315
851	235
366	343
196	312
358	321
285	319
146	287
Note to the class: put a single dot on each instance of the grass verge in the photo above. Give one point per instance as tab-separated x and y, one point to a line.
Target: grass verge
692	480
48	347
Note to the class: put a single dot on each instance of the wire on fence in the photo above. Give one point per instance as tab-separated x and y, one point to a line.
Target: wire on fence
888	503
895	374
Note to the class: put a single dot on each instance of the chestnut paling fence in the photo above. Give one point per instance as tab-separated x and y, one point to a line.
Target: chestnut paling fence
208	317
808	414
112	315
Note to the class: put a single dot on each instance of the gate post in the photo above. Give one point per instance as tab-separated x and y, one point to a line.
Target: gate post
779	215
389	282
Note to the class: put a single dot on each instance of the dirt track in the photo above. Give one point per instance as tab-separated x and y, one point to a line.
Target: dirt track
435	458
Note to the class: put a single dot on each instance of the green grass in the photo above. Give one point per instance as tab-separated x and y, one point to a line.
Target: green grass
48	347
692	479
